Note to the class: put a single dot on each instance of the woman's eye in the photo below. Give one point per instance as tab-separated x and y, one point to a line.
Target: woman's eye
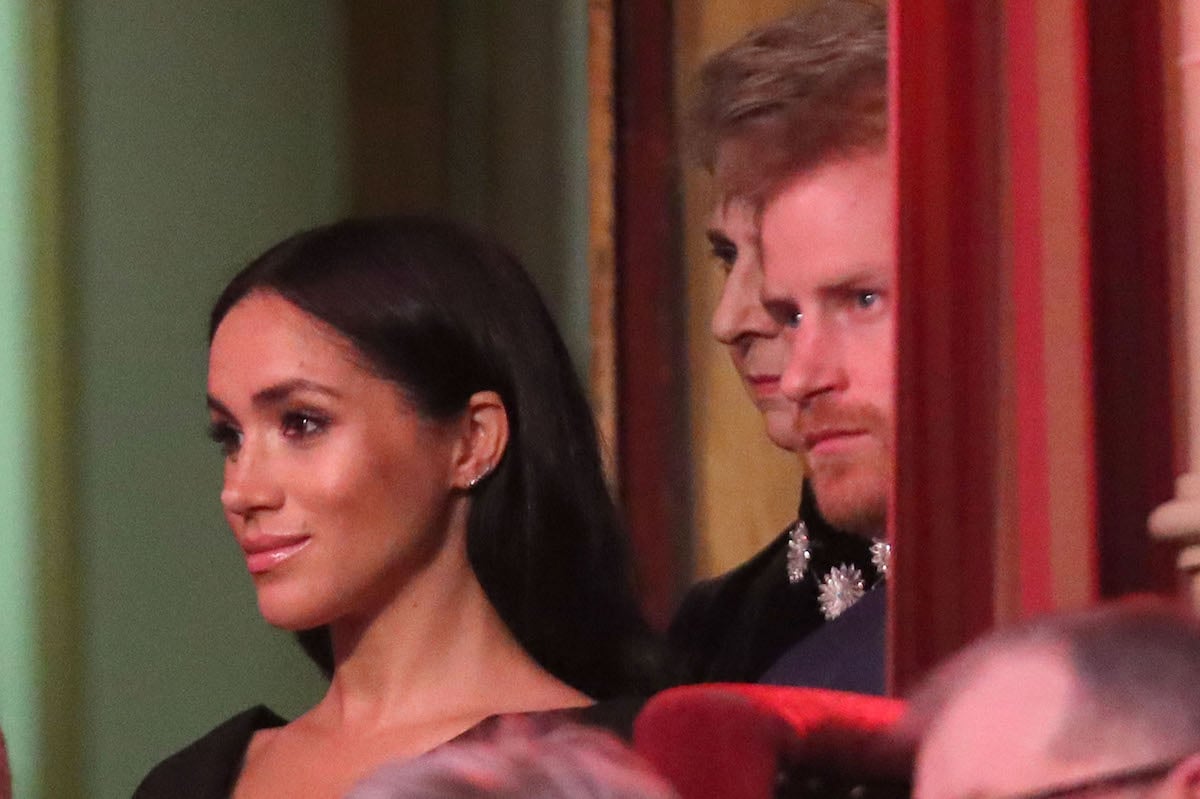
226	436
726	255
302	424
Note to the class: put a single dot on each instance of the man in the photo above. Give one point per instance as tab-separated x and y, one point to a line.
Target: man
1100	703
792	122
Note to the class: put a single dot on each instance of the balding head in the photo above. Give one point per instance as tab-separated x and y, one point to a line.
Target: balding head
1065	701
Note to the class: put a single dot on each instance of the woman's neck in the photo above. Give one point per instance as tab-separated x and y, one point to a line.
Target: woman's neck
435	651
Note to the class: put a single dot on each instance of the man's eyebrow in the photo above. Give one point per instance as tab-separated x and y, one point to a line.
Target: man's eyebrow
864	277
775	300
273	395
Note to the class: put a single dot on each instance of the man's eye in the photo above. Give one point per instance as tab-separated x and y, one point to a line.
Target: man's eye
302	424
866	299
785	315
226	436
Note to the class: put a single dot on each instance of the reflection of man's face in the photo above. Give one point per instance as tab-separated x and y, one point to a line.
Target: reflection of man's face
1001	733
829	277
741	323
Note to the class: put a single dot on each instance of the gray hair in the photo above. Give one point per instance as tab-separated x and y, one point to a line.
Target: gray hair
516	761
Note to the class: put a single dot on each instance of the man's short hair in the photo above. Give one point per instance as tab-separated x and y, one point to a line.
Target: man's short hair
1135	666
791	95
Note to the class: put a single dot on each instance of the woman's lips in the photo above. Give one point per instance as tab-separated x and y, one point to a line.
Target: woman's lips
267	552
763	385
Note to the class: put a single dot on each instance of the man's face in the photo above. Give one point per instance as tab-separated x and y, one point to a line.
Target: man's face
741	323
1000	734
829	277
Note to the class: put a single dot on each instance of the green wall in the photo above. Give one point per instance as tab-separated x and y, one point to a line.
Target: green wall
518	149
203	132
19	715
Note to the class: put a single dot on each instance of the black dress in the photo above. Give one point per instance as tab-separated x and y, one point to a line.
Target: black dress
735	627
209	767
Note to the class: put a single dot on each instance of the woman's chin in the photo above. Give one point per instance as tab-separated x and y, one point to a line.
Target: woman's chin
782	430
292	616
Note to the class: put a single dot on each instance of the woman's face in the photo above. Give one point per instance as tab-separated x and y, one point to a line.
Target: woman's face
740	322
336	489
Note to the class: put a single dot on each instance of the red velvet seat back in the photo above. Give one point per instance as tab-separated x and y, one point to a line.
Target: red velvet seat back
726	741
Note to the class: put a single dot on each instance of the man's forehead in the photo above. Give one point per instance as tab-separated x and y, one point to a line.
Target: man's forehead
995	735
831	226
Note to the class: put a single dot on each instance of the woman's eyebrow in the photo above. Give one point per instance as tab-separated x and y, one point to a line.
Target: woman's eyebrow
717	239
273	395
215	404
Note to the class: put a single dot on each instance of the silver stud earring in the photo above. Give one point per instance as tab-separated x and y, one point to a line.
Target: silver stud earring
474	481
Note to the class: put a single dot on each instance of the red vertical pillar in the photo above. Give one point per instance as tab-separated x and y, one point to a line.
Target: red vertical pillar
651	416
947	138
1033	490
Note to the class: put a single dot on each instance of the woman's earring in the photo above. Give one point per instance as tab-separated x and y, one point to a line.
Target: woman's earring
474	481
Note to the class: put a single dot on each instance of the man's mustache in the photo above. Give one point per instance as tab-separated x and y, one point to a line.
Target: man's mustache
821	417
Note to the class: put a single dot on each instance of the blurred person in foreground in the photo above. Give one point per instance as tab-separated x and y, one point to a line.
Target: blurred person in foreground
1096	703
513	759
791	120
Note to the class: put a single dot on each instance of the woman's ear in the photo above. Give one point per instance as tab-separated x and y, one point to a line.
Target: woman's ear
484	437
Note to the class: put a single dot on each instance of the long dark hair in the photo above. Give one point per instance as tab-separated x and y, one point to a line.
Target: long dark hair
443	314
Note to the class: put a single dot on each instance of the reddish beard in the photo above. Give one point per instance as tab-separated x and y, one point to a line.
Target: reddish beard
851	487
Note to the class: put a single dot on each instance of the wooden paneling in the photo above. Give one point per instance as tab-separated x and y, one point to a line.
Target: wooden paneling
601	219
397	67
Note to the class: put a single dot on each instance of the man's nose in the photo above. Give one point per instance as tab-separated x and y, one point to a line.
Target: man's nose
816	363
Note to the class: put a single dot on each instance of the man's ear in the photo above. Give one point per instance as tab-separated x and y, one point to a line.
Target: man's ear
483	439
1184	780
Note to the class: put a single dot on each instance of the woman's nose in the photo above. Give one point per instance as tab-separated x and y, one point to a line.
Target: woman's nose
740	311
250	483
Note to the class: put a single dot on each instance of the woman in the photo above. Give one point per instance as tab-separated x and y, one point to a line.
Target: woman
411	469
